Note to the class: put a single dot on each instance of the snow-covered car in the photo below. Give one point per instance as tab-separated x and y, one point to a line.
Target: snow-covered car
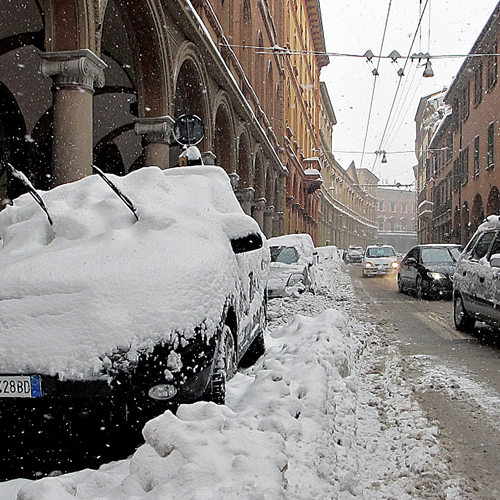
379	260
293	265
428	270
327	252
112	319
476	284
354	254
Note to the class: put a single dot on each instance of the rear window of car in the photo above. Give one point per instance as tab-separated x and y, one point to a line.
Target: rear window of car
285	255
447	255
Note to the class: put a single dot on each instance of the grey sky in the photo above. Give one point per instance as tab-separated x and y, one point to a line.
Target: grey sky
449	27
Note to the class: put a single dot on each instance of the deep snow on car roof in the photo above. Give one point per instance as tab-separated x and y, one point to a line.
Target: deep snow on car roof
98	280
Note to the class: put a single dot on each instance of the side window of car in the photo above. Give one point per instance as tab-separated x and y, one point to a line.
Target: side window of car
482	246
412	254
495	248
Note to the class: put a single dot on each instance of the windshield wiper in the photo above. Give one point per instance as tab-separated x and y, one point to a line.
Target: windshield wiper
31	190
113	186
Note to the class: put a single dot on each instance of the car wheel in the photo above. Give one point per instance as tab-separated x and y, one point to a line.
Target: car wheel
419	288
463	322
401	288
224	366
255	351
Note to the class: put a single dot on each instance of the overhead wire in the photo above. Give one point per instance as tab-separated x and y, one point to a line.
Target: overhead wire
375	75
399	82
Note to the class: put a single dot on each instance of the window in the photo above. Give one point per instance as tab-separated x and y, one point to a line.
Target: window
380	225
393	206
477	156
404	208
492	65
478	84
465	107
491	145
463	166
381	206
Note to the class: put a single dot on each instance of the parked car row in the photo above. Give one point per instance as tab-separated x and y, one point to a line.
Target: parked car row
114	312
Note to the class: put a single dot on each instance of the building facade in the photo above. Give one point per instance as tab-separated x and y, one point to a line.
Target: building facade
88	82
461	183
396	217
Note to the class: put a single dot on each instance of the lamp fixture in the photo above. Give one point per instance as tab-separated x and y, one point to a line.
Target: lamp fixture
428	69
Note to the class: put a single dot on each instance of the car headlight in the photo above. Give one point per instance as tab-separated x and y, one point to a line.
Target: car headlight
395	264
368	264
162	391
295	279
436	276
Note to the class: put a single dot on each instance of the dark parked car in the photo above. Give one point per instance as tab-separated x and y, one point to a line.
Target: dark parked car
108	319
476	287
428	270
354	254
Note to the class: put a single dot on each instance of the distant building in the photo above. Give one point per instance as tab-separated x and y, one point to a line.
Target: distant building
396	218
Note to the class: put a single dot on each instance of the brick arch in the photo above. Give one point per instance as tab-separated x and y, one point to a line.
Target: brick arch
477	212
224	135
70	25
493	205
245	165
150	53
190	95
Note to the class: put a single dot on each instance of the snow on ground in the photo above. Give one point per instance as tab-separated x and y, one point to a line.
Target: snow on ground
326	413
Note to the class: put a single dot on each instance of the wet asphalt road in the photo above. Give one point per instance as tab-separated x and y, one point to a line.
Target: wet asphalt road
456	376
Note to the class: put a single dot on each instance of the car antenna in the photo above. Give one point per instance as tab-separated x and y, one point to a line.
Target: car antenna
115	188
31	190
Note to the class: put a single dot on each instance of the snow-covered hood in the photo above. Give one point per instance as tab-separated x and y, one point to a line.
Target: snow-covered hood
97	280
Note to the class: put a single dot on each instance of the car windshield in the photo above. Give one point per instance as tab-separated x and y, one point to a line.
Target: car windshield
355	249
285	255
380	252
450	254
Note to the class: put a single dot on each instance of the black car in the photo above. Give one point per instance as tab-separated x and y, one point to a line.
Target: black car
108	320
428	270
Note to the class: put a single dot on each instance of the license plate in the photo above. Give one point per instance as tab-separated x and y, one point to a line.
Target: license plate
20	386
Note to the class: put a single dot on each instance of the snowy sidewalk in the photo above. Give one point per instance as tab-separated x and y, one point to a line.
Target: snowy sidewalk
325	414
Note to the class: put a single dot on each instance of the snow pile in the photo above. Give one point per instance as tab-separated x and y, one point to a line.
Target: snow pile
325	413
64	303
491	222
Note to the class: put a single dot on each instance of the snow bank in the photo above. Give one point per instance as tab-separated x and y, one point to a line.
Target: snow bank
325	414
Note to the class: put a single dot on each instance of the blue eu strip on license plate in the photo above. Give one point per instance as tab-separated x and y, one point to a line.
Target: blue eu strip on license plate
36	386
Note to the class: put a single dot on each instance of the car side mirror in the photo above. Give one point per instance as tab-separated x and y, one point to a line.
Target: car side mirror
495	260
252	241
411	261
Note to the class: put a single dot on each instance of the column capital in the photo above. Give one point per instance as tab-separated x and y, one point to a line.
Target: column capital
259	204
156	129
245	194
74	68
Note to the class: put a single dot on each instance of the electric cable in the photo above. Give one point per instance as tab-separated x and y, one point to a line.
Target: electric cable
375	75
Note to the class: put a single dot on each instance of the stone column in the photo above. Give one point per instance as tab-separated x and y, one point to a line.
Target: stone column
74	74
278	223
245	197
268	221
258	211
156	132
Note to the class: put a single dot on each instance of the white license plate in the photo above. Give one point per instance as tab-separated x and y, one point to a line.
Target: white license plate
20	386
